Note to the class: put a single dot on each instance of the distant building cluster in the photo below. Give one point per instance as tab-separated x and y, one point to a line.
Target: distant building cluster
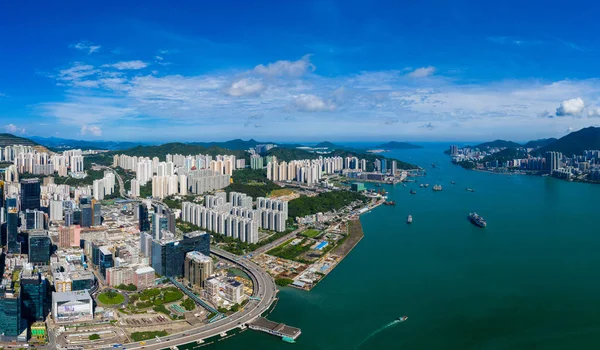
179	174
27	159
553	163
104	187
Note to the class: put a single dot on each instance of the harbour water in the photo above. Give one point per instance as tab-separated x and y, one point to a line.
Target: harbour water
527	281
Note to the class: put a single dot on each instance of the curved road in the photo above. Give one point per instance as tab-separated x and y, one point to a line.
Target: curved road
263	288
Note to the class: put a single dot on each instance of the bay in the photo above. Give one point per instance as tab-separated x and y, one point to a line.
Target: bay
526	281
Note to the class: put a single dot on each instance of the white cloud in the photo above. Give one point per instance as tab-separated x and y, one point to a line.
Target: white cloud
91	129
312	103
286	68
245	87
422	72
573	106
86	46
137	64
13	129
593	112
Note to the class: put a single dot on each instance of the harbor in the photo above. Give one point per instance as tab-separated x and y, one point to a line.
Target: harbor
285	332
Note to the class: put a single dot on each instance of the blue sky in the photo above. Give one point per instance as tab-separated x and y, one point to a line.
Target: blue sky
299	70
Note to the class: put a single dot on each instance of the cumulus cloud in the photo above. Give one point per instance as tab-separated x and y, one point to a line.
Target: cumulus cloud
593	112
312	103
422	72
428	126
286	68
86	46
91	129
13	129
245	87
136	64
573	106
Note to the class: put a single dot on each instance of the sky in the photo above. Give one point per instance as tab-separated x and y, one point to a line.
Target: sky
299	70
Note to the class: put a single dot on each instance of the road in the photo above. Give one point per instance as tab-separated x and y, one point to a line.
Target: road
277	242
121	184
263	287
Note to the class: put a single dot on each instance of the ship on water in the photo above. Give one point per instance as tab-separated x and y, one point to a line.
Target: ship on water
402	319
413	192
437	187
470	190
477	220
389	203
409	219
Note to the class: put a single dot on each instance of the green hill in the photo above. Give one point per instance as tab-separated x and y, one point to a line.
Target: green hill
575	143
325	144
398	145
498	144
9	140
539	143
506	155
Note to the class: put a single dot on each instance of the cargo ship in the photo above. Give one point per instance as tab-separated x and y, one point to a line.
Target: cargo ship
477	220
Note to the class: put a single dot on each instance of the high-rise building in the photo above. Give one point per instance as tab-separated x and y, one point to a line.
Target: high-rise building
394	167
33	295
256	162
56	210
159	223
11	323
105	260
30	194
453	150
39	247
168	256
96	213
12	220
69	236
233	291
144	222
68	217
197	269
553	161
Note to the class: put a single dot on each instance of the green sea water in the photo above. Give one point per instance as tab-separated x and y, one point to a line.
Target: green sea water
527	281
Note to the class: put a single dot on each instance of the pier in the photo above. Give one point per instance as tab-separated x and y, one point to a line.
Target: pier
278	329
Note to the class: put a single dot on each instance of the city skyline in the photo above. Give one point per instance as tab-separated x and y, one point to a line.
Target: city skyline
315	71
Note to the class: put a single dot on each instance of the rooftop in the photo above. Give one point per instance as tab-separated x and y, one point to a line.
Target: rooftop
78	295
198	257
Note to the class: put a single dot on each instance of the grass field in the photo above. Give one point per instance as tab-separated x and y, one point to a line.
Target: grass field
117	299
311	233
281	192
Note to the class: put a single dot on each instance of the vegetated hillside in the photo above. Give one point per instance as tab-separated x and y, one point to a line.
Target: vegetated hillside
10	139
398	145
322	203
325	144
179	148
498	144
59	145
237	144
575	143
288	154
539	143
506	155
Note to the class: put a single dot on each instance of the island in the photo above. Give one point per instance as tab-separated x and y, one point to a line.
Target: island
392	145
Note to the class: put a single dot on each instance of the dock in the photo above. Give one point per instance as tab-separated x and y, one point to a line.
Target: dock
274	328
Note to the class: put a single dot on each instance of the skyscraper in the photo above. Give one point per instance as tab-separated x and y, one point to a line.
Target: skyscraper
30	194
105	260
168	257
144	222
39	248
33	294
553	161
12	219
197	269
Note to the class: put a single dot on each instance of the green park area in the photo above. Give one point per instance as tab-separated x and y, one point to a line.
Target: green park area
310	233
110	297
291	251
140	336
154	298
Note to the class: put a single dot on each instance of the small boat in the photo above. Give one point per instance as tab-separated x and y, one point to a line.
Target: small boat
409	219
288	340
421	185
470	190
426	185
437	187
477	220
433	165
404	185
402	319
389	203
413	192
452	182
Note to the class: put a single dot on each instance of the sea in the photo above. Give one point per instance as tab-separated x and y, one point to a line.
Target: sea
529	280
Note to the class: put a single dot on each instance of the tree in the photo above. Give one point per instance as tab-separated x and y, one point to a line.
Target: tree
110	294
94	336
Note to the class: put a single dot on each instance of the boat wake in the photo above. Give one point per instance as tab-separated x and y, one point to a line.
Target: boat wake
391	324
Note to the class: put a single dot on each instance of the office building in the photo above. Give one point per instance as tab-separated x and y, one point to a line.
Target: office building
144	221
168	256
69	236
159	223
96	213
11	323
234	291
105	259
197	269
39	248
34	220
212	287
30	194
87	215
74	306
12	219
56	210
34	290
144	277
